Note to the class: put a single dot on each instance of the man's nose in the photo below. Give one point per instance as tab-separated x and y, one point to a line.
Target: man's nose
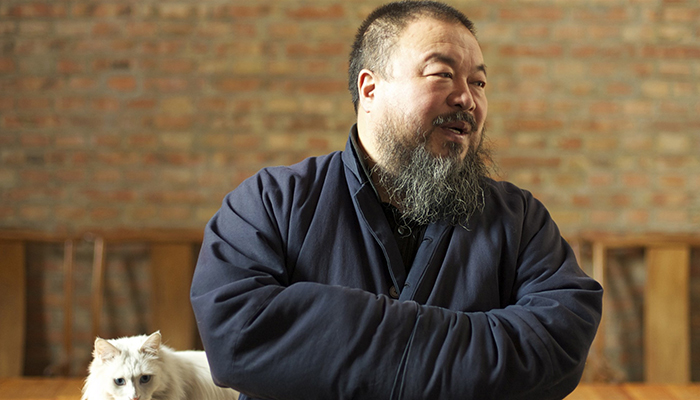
462	98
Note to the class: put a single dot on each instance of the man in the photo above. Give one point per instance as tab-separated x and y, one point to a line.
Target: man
396	269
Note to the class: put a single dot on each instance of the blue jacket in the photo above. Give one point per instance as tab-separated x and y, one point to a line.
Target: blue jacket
292	295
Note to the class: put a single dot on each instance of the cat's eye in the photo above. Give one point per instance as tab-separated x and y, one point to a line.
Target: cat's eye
120	381
145	378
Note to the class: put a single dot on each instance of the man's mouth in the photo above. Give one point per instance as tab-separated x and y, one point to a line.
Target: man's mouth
459	128
458	123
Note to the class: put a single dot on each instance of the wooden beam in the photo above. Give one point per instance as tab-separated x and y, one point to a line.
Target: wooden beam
172	266
13	282
667	314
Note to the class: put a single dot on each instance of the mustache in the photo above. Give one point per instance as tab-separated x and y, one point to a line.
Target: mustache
456	116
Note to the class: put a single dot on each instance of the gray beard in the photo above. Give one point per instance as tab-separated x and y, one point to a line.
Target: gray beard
427	188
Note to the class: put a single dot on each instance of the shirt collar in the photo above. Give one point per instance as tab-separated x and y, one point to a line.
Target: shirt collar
362	158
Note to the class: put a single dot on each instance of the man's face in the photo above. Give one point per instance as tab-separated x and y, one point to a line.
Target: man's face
435	87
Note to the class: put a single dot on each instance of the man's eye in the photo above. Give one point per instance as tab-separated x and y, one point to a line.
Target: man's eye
480	84
445	75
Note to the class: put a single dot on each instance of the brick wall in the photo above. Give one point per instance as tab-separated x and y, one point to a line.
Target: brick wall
126	113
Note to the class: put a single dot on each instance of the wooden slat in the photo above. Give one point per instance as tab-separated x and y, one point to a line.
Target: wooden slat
598	345
68	266
12	307
172	266
97	291
667	315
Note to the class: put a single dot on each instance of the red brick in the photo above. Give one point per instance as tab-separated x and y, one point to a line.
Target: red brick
570	143
176	10
241	11
69	67
601	14
530	162
595	51
178	28
122	83
636	217
142	103
177	66
175	213
82	83
7	65
104	213
239	84
534	124
320	49
34	103
168	122
70	103
531	13
109	196
34	176
522	50
317	12
170	85
671	51
101	29
37	9
32	212
102	64
163	47
141	29
284	30
111	176
604	107
35	140
102	10
619	89
581	201
106	104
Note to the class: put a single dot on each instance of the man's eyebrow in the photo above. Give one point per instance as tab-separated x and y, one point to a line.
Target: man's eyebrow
443	58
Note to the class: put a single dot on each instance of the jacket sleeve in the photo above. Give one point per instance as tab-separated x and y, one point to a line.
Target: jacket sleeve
271	339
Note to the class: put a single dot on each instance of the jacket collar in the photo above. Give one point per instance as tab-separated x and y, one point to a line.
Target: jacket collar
354	158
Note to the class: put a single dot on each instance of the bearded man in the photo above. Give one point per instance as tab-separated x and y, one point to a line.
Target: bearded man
396	269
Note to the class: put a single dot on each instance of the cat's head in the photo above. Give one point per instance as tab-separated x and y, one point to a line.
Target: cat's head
125	369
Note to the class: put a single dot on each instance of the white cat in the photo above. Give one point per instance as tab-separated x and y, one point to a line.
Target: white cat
142	368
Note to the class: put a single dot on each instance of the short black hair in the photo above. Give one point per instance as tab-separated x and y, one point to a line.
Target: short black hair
379	32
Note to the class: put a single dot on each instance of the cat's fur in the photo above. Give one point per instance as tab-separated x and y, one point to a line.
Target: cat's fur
140	367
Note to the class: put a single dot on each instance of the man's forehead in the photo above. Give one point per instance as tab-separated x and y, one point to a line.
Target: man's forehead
437	39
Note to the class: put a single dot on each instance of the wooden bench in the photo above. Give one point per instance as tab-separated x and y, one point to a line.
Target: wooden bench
172	264
666	298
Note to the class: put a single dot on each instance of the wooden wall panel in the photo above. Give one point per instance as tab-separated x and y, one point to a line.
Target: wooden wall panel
172	268
12	307
667	315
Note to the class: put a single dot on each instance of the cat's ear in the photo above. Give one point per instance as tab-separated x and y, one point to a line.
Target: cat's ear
104	350
152	344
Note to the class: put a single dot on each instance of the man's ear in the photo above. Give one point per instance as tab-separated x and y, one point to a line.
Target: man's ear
366	85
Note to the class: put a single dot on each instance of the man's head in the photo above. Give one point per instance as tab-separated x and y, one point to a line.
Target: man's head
422	107
380	31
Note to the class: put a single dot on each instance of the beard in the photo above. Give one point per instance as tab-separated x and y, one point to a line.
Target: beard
425	187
